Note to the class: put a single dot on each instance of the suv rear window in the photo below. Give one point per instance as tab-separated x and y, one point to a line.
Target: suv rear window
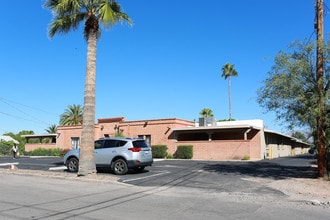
99	144
113	143
140	144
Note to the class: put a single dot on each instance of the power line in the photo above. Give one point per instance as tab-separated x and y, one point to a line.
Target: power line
34	121
6	101
310	38
33	118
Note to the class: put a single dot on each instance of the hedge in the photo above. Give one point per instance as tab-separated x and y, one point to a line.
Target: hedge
46	152
184	152
159	151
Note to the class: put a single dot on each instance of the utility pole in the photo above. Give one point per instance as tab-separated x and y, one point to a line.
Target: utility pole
321	142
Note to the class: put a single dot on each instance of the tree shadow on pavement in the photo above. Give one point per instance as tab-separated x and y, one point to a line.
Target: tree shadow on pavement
277	169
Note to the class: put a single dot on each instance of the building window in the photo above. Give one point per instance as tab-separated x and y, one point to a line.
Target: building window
74	142
147	138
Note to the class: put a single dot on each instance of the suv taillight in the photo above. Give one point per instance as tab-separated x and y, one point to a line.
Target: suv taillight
135	149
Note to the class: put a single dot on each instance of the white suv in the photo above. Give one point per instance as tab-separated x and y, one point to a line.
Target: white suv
120	154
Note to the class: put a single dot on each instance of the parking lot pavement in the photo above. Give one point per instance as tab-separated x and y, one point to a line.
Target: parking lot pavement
281	168
41	197
33	163
225	176
265	178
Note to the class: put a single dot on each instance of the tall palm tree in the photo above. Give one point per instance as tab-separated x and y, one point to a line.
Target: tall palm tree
228	71
67	15
73	115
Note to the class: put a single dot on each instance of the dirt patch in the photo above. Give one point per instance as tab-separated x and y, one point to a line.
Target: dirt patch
313	191
306	189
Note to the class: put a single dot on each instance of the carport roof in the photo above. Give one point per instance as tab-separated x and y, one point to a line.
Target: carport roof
8	138
287	136
38	135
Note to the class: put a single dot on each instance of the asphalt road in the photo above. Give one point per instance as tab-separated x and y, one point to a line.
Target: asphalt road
170	189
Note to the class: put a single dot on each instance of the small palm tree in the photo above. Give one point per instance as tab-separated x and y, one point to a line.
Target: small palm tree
206	112
51	129
73	115
67	15
228	71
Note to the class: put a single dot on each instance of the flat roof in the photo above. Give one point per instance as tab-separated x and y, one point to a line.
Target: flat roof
246	126
38	135
287	136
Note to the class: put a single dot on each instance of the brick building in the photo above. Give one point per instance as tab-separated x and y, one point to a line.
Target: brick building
233	140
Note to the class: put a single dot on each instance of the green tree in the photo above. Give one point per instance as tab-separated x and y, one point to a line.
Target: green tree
291	89
119	133
228	71
73	115
18	137
51	129
67	15
299	135
206	112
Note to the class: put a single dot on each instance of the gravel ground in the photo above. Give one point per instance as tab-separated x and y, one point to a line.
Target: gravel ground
310	191
314	190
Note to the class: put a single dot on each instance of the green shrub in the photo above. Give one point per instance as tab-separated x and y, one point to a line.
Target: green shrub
184	152
246	157
159	151
45	152
169	156
5	148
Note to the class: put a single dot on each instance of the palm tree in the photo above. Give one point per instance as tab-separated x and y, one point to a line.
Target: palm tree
51	129
227	72
73	115
67	15
206	112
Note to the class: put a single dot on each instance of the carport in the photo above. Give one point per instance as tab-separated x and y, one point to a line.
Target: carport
227	142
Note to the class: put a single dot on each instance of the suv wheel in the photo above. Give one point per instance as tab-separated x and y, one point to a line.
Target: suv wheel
72	164
119	167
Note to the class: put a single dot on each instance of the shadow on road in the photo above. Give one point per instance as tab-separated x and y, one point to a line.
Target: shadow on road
280	168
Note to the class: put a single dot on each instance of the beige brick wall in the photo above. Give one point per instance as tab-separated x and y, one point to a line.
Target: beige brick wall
159	130
222	149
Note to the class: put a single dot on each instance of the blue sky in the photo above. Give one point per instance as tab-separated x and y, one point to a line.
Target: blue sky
167	65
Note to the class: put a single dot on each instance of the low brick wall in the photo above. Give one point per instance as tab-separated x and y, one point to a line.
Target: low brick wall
216	150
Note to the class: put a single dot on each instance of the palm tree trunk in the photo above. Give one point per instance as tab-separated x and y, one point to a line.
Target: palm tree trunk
229	98
87	161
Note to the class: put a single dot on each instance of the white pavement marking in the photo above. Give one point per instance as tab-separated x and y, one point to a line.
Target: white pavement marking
8	164
58	168
145	177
